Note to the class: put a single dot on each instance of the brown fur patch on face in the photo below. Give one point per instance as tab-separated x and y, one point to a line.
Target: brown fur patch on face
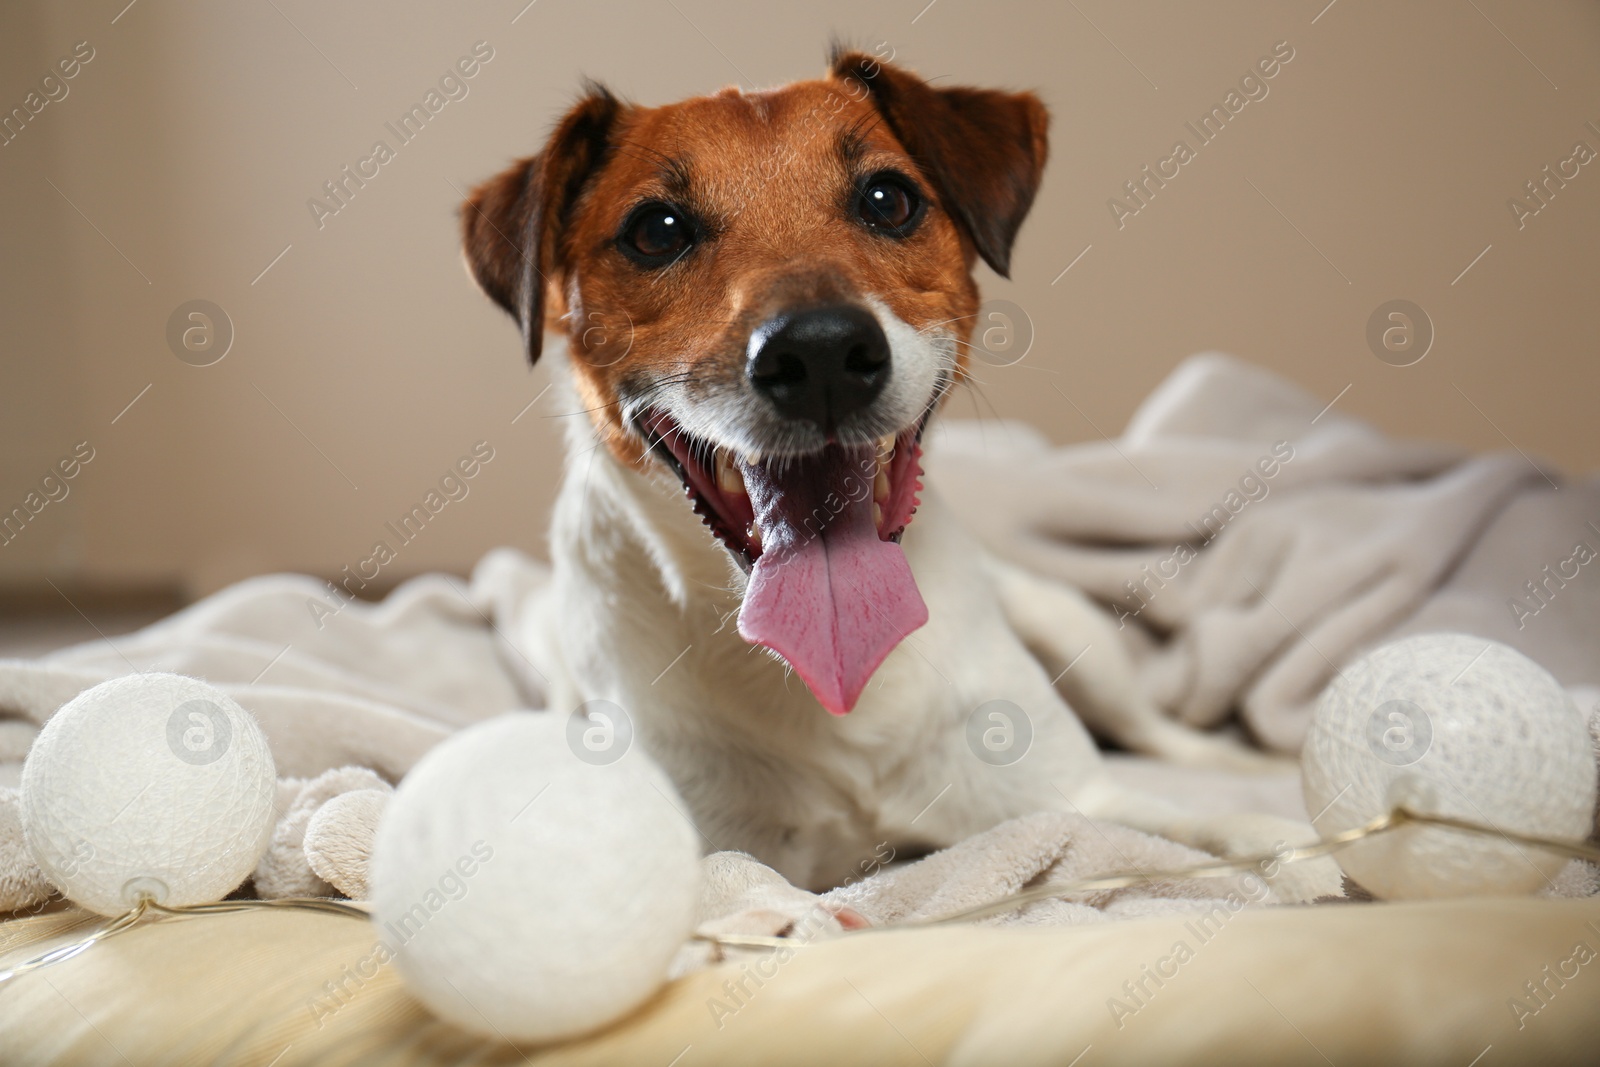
768	182
769	190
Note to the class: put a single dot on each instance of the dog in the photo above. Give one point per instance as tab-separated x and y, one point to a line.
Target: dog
765	298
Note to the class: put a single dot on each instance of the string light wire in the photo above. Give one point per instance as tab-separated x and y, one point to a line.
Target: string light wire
1399	817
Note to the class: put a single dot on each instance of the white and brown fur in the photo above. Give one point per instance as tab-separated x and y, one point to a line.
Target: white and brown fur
641	605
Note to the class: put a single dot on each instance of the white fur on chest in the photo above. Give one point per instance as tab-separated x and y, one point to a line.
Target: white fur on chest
642	612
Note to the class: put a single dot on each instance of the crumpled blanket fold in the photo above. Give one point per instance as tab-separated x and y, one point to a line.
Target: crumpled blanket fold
1239	592
1249	539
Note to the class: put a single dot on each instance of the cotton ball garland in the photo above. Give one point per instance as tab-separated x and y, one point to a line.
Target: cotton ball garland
151	784
526	892
1453	725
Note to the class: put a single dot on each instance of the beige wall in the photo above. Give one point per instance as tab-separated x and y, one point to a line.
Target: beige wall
1388	148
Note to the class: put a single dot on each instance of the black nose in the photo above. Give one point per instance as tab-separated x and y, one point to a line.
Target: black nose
821	364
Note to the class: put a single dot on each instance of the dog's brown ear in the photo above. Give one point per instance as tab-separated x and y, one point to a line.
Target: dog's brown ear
512	226
984	149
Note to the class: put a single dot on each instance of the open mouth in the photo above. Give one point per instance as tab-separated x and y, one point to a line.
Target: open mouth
830	590
718	482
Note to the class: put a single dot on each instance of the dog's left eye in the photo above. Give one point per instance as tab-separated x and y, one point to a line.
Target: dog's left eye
656	234
887	203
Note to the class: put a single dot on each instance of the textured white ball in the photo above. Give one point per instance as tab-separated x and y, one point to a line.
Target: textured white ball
526	892
1452	725
152	783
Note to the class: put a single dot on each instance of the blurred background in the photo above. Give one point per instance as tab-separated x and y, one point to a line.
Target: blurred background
179	161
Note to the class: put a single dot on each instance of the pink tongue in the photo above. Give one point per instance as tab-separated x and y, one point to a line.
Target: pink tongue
827	594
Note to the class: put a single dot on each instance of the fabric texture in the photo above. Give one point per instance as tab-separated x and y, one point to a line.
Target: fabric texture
1235	516
1250	538
339	836
1048	848
1419	984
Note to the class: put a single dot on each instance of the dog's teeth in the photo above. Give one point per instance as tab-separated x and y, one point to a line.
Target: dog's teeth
880	479
877	514
753	534
885	453
729	480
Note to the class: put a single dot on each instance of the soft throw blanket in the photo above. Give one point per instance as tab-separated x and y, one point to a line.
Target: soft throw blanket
1248	538
1331	533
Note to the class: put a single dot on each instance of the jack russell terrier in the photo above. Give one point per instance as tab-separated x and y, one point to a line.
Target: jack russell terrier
765	297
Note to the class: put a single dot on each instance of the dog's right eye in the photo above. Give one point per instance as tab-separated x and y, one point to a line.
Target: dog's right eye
656	234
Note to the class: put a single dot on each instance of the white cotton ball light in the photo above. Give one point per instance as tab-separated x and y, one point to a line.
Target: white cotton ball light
152	784
1453	725
527	893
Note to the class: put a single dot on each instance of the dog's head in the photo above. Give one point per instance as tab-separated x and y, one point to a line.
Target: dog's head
767	294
